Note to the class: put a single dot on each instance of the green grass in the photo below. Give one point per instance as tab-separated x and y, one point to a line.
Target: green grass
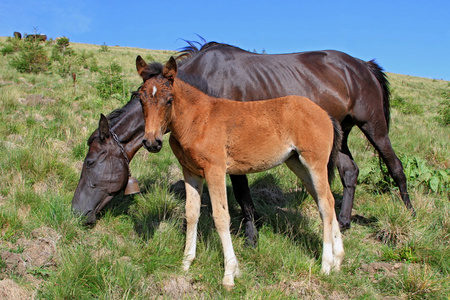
135	249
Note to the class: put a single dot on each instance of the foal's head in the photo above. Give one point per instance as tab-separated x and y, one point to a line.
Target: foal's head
156	98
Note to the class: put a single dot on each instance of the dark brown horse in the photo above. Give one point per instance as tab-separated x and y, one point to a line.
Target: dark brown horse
351	90
212	137
106	170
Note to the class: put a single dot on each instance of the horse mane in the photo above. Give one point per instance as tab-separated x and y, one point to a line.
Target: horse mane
155	69
115	115
194	48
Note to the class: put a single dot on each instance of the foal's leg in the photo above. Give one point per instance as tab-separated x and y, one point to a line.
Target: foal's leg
243	197
215	179
315	180
194	186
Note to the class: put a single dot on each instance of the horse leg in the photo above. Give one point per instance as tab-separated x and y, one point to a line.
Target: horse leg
217	191
316	183
348	171
242	194
194	186
380	140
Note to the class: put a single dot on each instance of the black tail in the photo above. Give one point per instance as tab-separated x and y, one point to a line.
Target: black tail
337	142
378	72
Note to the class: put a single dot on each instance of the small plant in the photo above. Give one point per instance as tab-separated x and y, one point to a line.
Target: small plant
104	48
446	114
111	82
394	225
418	171
419	282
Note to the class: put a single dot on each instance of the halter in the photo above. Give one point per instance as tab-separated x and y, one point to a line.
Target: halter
132	184
116	138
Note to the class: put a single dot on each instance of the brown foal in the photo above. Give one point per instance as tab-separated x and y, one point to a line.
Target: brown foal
212	137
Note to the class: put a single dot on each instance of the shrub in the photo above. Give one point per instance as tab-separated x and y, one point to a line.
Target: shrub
32	58
7	49
104	48
65	57
111	82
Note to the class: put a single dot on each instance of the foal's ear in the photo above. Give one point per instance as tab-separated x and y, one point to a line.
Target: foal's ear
140	65
170	69
103	128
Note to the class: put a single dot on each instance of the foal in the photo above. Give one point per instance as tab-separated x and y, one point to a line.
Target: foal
213	137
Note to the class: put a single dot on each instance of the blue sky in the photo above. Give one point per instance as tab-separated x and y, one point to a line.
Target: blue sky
405	37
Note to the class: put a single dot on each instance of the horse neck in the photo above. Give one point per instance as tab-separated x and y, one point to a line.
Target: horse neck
185	97
130	129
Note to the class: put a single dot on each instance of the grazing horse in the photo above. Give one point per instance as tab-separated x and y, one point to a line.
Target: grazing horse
212	137
106	170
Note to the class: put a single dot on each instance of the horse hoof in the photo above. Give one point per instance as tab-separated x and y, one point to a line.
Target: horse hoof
344	226
227	287
251	233
228	283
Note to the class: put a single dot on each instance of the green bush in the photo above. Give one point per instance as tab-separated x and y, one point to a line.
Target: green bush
31	58
111	82
7	49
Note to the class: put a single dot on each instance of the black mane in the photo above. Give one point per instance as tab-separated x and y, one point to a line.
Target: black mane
194	48
155	69
116	114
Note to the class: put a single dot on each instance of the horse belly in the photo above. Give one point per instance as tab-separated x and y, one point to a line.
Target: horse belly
256	159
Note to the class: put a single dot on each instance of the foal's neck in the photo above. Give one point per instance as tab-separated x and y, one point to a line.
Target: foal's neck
189	106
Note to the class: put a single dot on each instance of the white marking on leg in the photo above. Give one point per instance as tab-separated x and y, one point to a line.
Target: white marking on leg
327	258
338	246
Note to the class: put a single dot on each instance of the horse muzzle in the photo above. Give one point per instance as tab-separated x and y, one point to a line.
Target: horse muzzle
153	146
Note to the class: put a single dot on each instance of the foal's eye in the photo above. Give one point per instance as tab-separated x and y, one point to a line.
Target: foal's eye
169	102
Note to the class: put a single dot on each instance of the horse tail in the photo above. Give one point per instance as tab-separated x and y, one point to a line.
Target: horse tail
337	142
378	72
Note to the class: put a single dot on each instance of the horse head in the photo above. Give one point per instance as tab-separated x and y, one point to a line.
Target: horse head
105	173
156	98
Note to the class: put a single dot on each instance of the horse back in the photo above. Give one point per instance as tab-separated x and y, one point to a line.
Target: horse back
334	80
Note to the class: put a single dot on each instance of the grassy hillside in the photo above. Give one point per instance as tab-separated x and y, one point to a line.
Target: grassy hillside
135	249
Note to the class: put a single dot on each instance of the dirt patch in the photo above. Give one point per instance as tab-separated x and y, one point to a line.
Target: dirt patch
381	268
31	254
34	100
9	290
181	287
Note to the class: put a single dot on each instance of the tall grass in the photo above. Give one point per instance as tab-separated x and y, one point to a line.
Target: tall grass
135	249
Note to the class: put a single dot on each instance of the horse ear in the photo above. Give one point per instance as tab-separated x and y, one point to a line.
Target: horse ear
140	65
170	69
103	128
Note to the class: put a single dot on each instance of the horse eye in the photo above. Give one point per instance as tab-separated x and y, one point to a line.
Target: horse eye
90	163
169	102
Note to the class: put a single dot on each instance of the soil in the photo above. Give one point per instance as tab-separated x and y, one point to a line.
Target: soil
28	258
